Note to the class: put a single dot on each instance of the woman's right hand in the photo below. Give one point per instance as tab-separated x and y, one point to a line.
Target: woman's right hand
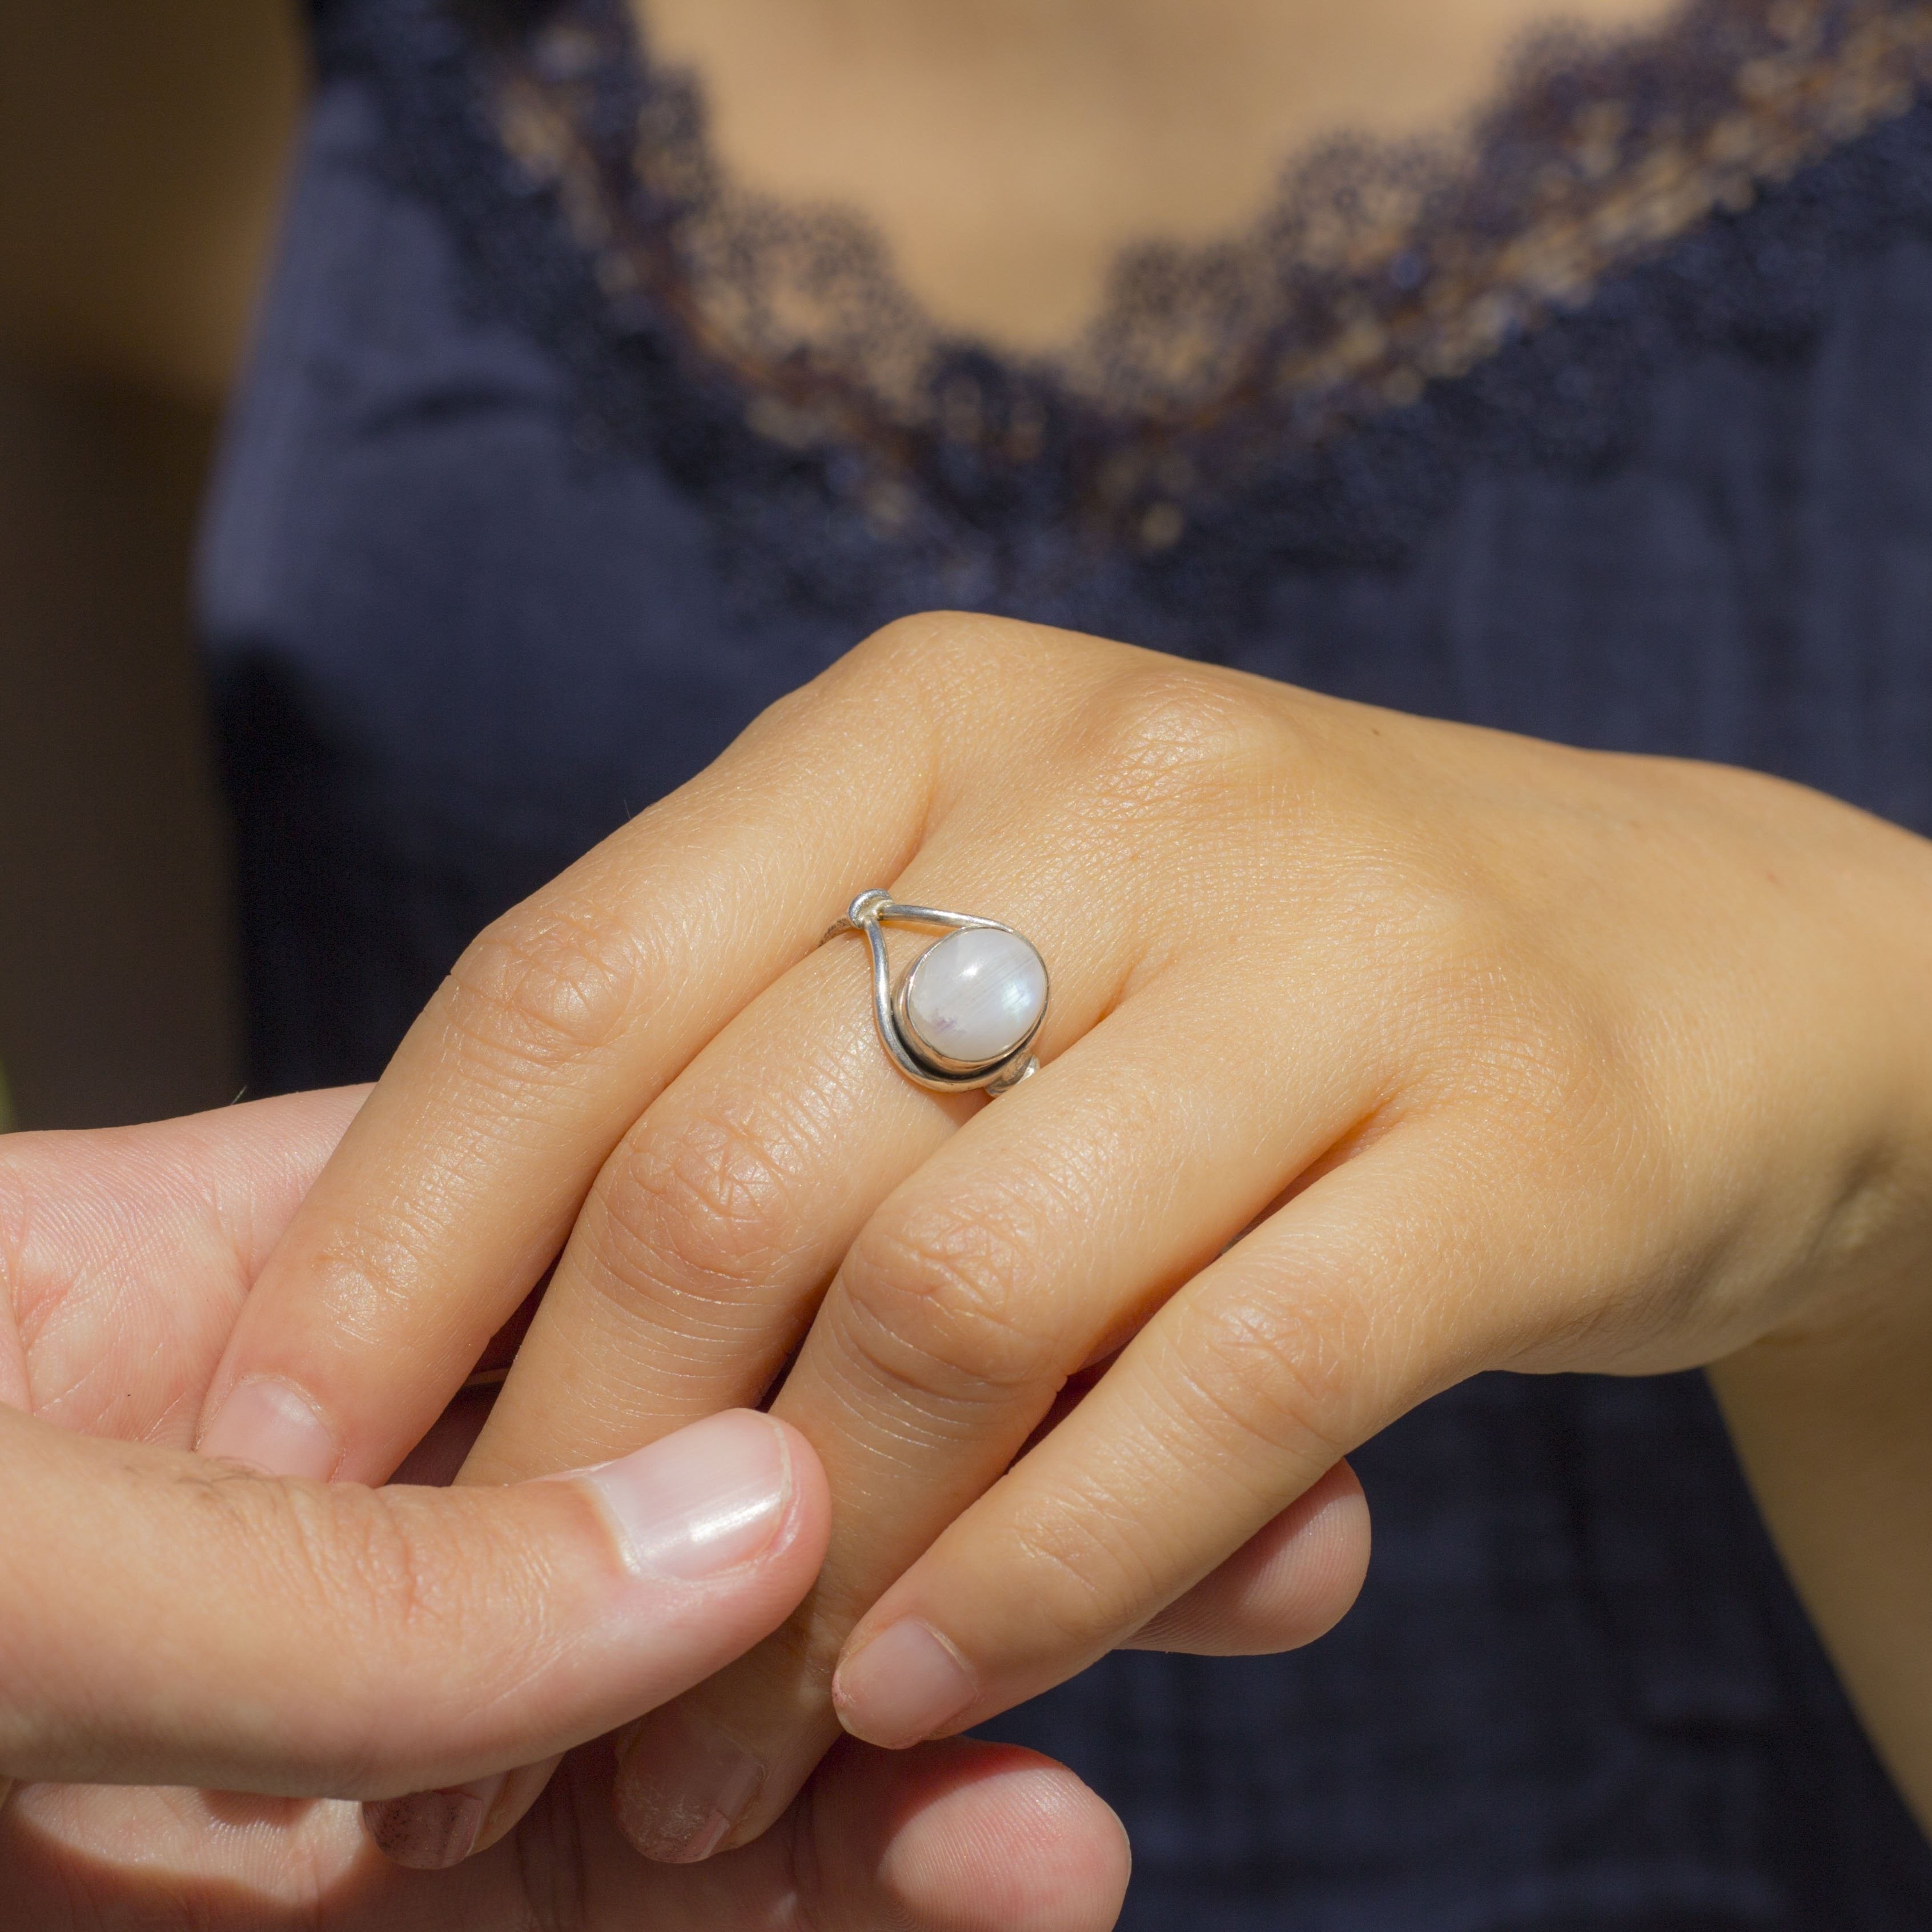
167	1622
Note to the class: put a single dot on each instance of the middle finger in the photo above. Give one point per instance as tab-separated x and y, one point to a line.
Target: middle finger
712	1231
707	1240
1035	1240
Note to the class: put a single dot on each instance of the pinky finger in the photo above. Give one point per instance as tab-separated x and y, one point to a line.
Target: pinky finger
1232	1406
1292	1582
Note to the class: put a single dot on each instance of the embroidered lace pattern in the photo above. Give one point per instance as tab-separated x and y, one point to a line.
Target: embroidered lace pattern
1298	392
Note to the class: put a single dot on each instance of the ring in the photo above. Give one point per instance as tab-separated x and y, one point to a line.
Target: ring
965	1012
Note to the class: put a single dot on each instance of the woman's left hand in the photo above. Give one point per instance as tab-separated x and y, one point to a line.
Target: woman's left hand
1380	1051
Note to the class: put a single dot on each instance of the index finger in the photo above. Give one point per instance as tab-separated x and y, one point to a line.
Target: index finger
457	1183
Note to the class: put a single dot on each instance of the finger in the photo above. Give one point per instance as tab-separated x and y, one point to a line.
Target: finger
697	1259
1352	1303
713	1229
1033	1241
431	1831
105	1195
977	1838
708	1236
1290	1583
463	1173
507	1800
967	1837
959	1836
126	1253
167	1621
1287	1586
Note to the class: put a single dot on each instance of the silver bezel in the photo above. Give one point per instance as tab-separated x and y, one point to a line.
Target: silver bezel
874	909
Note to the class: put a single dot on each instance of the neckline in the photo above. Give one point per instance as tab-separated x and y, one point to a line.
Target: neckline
865	462
1380	266
1252	73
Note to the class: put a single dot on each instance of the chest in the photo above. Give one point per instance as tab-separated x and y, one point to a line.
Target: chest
1007	151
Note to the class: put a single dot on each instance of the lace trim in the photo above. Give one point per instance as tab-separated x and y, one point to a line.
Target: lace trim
1381	269
1702	185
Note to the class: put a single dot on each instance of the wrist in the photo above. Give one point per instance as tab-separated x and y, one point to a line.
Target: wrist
1871	1260
1834	1434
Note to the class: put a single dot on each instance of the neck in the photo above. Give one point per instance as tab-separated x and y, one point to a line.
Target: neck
1008	149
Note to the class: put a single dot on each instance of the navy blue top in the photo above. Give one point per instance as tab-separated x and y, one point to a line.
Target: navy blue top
538	492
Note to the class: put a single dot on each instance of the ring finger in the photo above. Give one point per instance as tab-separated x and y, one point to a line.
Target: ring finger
707	1240
712	1230
1037	1239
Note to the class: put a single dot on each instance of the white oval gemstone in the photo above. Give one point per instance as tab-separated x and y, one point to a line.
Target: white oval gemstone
976	995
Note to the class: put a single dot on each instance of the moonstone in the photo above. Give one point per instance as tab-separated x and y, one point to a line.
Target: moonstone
976	995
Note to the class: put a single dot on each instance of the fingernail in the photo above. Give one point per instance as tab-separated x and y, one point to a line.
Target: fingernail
701	1501
430	1830
269	1425
902	1687
683	1787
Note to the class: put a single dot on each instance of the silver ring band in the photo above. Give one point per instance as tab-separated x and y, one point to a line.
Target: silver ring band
965	1013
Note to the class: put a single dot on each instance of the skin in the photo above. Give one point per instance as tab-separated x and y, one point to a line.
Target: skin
1007	151
1822	1402
345	1663
1382	1051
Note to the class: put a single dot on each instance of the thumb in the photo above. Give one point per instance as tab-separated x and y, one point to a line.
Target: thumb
166	1620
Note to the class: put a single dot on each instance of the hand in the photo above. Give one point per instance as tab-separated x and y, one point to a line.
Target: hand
1381	1051
167	1619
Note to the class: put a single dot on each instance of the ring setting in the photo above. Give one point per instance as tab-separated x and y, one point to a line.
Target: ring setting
965	1013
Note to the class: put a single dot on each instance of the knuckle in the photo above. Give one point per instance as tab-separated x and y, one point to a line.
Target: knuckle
545	985
366	1574
398	1576
1086	1577
369	1276
955	659
797	709
1449	934
907	643
1174	733
1283	1371
360	1556
945	1302
700	1213
376	1564
1495	1021
1543	1069
944	641
1544	1073
403	1573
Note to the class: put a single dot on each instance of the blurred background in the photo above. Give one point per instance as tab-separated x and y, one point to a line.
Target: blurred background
142	145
